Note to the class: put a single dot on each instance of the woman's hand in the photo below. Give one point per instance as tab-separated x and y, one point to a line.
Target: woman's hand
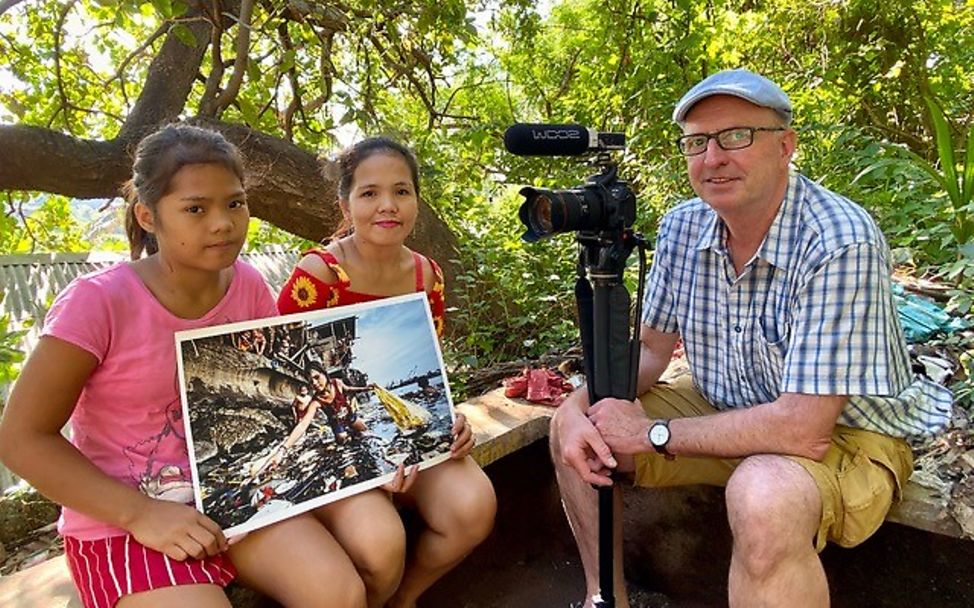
463	441
403	480
178	530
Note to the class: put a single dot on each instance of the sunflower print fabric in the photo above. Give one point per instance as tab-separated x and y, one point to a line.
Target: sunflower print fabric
304	292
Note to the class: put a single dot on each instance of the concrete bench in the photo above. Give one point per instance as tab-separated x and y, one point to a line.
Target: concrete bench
501	426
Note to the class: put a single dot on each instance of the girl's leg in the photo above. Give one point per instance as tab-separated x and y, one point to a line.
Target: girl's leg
205	596
368	527
456	502
299	564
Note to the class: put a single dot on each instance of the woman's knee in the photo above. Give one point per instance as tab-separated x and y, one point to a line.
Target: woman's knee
470	512
380	552
370	530
327	591
336	583
299	563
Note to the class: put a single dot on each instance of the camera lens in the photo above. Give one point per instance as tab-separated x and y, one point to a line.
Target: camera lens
548	212
540	215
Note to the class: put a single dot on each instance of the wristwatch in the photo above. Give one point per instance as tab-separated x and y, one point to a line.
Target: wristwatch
659	436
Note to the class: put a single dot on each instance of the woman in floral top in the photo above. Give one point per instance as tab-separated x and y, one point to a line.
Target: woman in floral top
378	193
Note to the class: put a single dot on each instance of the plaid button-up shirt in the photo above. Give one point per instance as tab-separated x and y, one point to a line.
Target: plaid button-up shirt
812	312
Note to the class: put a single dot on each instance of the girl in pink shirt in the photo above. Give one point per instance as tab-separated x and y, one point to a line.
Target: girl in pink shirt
107	362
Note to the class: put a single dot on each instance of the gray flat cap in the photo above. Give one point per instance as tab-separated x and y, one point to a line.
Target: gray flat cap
740	83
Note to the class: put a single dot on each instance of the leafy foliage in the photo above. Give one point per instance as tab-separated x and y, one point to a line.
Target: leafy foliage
10	353
448	76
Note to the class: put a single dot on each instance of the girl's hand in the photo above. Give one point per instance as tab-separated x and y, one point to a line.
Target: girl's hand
179	531
404	479
463	441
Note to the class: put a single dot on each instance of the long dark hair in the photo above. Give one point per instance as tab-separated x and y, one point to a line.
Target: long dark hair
157	159
341	168
316	366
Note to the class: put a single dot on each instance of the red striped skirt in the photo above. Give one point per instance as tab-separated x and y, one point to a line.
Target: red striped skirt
106	569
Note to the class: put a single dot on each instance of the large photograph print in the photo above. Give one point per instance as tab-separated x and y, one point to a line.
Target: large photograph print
291	413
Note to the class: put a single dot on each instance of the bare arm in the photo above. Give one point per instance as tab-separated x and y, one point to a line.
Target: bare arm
656	350
302	426
800	425
352	389
315	266
579	443
795	424
32	446
274	458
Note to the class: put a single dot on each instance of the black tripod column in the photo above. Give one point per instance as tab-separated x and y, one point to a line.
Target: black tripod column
603	308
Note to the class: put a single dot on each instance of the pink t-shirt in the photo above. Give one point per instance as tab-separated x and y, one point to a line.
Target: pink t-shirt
128	420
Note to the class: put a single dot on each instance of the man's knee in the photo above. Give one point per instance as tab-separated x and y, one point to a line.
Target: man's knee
773	507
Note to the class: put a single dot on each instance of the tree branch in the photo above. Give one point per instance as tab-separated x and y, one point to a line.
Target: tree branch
168	82
326	69
6	5
287	119
408	73
164	28
240	61
65	104
282	179
215	77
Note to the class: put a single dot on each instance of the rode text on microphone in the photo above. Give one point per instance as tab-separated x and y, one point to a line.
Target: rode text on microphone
559	140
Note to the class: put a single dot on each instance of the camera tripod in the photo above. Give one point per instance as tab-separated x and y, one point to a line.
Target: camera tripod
610	346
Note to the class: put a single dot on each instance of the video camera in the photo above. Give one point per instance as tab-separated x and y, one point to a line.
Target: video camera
603	204
601	212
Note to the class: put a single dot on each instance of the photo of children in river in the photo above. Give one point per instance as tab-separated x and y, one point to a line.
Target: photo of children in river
289	413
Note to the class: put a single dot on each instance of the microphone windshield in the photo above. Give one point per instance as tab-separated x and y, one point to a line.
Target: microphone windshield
548	140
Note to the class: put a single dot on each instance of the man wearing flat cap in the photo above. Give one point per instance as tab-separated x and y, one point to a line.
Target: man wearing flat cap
800	393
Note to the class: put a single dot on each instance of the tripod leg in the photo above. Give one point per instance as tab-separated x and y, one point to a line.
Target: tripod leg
615	584
607	535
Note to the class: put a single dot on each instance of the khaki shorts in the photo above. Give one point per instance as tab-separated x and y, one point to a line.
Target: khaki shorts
859	479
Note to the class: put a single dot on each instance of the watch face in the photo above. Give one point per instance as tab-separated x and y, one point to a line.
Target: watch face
659	434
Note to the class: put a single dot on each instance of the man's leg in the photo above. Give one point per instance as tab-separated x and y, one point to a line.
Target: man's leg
581	504
774	509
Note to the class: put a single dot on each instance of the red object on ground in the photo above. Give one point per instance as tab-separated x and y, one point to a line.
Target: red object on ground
538	386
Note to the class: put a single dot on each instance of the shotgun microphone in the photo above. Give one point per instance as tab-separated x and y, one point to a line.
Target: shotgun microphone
559	140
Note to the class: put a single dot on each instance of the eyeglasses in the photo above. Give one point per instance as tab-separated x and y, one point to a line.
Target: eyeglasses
733	138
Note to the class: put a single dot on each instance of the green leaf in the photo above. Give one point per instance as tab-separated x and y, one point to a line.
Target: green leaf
968	179
184	34
945	151
287	62
164	7
880	164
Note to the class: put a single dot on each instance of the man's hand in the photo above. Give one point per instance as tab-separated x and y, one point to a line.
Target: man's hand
582	448
622	425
